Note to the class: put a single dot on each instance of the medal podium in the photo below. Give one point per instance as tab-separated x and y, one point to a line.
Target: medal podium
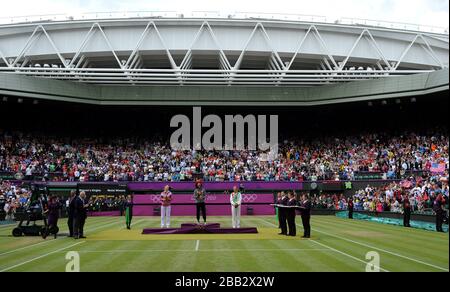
194	228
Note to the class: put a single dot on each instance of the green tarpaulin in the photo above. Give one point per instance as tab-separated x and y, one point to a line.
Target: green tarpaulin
392	221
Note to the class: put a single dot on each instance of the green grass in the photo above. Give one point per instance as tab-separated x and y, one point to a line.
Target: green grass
336	245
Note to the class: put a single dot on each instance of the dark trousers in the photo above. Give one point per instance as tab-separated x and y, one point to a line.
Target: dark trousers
350	214
52	220
306	225
201	207
78	226
81	227
70	224
406	217
291	222
282	218
439	221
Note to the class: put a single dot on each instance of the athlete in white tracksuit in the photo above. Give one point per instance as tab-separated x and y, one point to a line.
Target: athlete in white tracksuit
235	200
166	198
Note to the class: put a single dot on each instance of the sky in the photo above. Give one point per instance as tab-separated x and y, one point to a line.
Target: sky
424	12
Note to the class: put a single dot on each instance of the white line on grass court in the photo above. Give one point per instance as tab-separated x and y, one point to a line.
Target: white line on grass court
346	254
90	229
25	247
335	250
197	245
372	247
40	257
52	240
382	250
201	250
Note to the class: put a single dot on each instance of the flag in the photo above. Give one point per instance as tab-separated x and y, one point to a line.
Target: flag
406	184
437	167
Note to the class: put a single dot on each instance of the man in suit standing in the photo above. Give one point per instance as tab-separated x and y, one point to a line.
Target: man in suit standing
80	216
291	214
305	208
71	211
282	212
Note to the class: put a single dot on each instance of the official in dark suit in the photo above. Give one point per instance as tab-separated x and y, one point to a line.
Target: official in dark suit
438	204
290	212
71	212
350	208
406	211
305	209
80	216
282	212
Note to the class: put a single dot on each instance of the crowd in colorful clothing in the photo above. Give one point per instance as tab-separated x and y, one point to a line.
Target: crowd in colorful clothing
326	158
421	192
12	197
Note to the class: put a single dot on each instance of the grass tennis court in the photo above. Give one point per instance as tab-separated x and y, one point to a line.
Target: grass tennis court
336	245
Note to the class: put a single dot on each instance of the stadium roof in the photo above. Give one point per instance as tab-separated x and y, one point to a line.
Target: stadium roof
384	88
216	52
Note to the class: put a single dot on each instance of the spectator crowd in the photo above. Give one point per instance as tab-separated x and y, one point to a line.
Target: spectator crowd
107	203
12	198
15	198
325	158
421	191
